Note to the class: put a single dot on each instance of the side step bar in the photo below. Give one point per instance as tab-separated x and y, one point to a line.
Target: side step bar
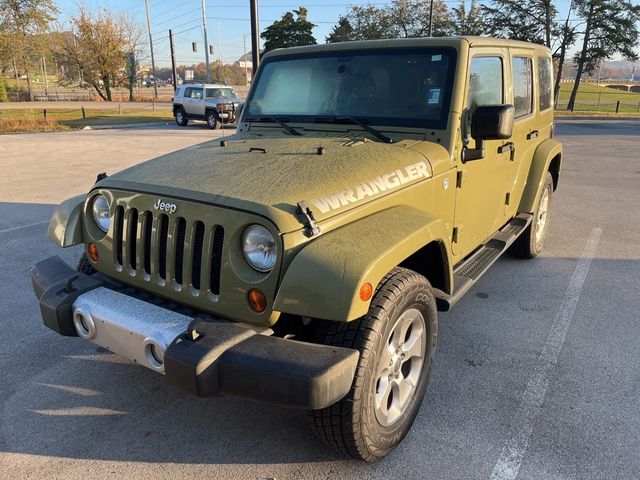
469	271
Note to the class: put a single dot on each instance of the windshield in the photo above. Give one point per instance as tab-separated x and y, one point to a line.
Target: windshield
221	93
403	87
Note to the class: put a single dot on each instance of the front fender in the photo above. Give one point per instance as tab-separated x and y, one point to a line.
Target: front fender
542	158
65	227
324	279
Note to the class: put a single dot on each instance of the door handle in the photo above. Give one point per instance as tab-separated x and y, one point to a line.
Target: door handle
533	134
507	147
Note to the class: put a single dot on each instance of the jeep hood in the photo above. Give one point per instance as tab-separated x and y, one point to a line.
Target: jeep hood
270	175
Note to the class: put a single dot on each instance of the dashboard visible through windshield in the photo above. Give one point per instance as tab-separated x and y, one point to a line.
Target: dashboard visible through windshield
398	87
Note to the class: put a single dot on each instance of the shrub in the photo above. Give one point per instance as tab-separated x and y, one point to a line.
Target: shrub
3	90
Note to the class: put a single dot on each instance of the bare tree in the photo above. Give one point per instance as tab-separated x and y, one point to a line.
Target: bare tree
23	24
99	48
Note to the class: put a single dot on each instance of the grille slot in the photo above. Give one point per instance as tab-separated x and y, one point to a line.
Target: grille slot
179	255
216	259
196	260
119	223
162	246
132	236
148	224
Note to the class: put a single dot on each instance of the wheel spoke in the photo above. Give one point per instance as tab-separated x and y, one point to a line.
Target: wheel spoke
412	348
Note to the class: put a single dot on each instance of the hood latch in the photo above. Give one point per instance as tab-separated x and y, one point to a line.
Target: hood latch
305	215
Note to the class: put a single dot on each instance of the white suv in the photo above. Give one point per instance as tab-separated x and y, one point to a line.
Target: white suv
216	104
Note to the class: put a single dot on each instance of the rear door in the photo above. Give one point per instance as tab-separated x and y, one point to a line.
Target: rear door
526	134
197	102
186	100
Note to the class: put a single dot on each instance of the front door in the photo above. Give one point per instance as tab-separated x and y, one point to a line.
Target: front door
480	195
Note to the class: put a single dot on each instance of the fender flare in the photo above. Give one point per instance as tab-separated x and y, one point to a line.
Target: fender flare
542	158
65	227
324	278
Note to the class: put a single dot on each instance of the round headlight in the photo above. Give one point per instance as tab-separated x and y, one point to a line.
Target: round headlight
259	248
101	213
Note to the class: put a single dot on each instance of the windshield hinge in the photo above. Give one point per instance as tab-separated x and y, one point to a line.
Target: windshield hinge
305	215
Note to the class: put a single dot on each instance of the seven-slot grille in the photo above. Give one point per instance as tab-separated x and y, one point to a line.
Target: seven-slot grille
170	251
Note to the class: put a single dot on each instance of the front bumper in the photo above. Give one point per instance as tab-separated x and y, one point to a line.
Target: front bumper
204	357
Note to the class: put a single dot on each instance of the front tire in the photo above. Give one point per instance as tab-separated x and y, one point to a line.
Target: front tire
213	120
181	117
529	244
397	343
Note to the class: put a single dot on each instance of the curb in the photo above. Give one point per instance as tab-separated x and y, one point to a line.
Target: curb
587	117
125	125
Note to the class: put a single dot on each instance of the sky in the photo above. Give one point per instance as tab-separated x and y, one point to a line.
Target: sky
228	22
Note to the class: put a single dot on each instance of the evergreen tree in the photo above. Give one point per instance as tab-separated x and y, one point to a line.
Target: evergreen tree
468	22
611	27
289	31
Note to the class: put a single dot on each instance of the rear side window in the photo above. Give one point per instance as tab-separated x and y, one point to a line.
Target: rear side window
196	93
485	82
544	80
187	92
522	86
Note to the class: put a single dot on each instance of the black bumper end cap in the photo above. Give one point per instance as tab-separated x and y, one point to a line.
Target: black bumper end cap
57	286
230	359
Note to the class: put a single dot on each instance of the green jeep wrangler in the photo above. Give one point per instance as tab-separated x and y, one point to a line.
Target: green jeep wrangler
302	261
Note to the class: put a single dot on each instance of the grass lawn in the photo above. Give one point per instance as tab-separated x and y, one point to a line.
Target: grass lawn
31	120
594	98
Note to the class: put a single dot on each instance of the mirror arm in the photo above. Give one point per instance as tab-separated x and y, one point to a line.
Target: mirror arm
471	154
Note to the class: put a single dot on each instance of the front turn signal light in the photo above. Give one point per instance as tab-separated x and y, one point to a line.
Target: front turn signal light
93	252
366	291
257	300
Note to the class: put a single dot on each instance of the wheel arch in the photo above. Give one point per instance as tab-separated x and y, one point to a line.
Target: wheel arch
343	260
547	158
432	262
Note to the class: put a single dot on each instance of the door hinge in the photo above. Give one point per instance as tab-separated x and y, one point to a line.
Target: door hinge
459	180
454	236
507	199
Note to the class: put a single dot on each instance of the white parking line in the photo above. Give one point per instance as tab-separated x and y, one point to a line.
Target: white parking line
530	405
13	229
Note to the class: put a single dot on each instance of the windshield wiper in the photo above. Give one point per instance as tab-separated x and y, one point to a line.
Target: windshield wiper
282	123
361	123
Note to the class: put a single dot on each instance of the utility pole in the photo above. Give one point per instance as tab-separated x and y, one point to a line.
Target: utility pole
153	61
255	37
206	42
46	79
244	43
430	20
174	73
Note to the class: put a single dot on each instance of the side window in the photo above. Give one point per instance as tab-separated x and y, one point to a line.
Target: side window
485	82
196	93
187	92
522	86
544	80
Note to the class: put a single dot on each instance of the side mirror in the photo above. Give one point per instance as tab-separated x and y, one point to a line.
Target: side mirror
489	122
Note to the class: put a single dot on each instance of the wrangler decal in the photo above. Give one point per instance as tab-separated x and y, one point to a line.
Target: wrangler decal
383	183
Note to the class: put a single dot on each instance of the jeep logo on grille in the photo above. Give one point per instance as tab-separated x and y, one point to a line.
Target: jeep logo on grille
165	207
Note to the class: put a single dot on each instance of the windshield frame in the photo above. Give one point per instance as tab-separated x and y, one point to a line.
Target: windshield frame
426	123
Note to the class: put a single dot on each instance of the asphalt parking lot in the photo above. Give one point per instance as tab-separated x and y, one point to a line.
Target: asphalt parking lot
537	369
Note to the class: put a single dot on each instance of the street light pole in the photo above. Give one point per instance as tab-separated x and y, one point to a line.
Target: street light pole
206	42
255	36
153	61
431	19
